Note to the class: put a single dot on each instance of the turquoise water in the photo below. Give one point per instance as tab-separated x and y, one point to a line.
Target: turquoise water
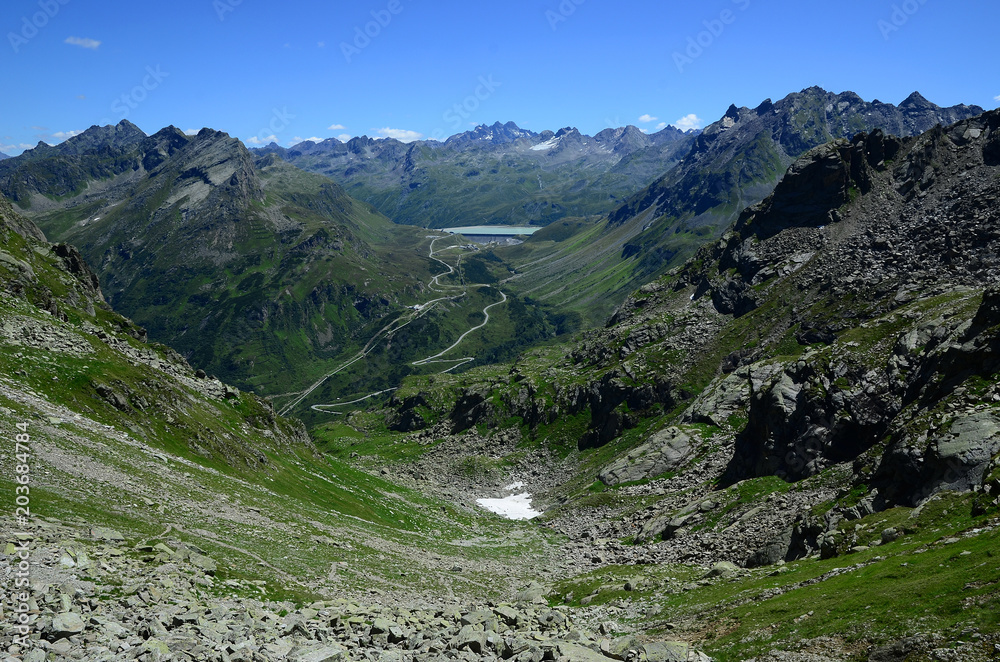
498	230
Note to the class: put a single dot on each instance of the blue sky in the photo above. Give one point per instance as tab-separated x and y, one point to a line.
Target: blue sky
303	69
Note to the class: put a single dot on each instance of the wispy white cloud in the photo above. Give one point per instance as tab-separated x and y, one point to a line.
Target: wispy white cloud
647	118
83	42
321	44
63	135
996	98
661	126
402	135
7	149
296	140
267	140
689	122
336	127
344	137
81	97
190	132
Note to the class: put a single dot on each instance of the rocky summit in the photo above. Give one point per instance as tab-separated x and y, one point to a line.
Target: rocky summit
785	448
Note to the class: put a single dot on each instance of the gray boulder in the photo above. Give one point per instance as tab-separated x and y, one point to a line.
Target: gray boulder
959	460
775	550
325	653
667	450
666	651
67	624
579	653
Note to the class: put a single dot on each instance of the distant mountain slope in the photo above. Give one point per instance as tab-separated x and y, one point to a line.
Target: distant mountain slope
64	169
3	156
254	271
736	161
494	174
733	163
65	347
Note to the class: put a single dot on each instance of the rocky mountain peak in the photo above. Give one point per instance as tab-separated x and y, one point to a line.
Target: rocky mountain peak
120	136
172	130
498	134
916	102
624	138
205	134
765	106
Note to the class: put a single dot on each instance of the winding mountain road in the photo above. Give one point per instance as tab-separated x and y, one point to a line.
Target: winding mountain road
386	332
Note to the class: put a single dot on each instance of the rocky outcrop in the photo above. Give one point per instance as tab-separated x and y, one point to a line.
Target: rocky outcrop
818	184
76	265
667	450
802	422
814	415
836	405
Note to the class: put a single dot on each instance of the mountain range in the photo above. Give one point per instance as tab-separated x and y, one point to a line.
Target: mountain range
498	174
259	272
733	163
249	265
215	253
